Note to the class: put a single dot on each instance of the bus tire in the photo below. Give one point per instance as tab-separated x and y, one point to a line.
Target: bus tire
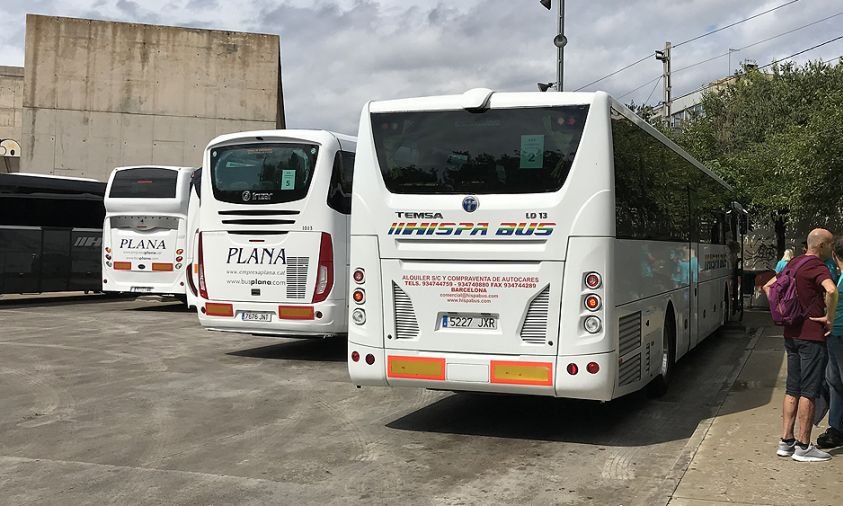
658	387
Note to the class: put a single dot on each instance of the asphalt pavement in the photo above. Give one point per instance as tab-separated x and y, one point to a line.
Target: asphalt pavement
120	401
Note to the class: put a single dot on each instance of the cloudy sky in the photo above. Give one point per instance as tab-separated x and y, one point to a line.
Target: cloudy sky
337	54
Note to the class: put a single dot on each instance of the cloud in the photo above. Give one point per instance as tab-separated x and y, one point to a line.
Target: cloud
338	54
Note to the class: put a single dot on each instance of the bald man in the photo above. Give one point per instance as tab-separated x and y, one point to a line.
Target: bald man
805	346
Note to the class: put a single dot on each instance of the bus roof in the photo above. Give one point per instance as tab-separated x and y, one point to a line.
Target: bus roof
18	183
166	167
304	135
480	98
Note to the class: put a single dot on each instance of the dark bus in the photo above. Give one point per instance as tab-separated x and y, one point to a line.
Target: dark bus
50	234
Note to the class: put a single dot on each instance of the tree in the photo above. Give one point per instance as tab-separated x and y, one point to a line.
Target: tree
778	138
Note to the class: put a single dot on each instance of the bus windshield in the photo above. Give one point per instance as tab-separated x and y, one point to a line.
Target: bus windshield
502	151
262	173
144	183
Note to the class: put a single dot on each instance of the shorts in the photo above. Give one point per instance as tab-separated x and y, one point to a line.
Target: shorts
806	362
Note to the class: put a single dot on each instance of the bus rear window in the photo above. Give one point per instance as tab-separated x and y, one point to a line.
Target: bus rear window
526	150
144	183
262	173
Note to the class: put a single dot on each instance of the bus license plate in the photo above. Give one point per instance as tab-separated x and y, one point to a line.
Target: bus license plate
256	316
469	321
140	289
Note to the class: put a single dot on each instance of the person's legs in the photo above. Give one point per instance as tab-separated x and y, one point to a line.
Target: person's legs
834	376
805	414
813	359
792	389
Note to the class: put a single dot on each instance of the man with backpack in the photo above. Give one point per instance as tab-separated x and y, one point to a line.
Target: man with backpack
803	299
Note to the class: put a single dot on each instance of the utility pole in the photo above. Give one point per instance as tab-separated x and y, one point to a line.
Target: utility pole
664	57
559	41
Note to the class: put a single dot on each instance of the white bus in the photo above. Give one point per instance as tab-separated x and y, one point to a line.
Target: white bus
145	229
531	243
273	233
191	275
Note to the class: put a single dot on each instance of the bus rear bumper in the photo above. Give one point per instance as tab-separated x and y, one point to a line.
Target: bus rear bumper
523	375
143	287
328	319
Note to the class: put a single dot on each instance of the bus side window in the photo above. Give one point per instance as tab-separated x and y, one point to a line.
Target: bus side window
339	191
196	182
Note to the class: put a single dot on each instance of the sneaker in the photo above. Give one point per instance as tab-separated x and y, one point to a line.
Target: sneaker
809	454
831	438
785	449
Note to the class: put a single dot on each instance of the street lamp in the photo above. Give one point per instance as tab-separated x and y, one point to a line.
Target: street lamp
559	41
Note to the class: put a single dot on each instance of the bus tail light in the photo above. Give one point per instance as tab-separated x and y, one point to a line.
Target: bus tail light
359	276
179	251
592	324
179	258
359	296
358	316
573	369
203	288
108	250
592	368
355	356
325	270
370	359
592	302
593	280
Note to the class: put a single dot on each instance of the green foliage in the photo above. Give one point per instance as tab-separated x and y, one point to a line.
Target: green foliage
778	138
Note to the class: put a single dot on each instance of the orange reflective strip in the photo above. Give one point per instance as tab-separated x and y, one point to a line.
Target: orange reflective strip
216	309
195	268
420	368
295	312
162	267
521	373
122	266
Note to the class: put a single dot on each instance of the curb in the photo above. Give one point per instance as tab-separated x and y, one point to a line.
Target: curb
688	453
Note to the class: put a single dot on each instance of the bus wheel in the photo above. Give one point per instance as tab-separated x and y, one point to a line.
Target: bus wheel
658	387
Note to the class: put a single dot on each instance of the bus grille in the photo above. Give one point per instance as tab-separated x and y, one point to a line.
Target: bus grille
406	326
630	370
629	333
297	277
534	330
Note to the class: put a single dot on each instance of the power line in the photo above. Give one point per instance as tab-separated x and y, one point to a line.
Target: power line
757	43
821	44
645	58
638	88
698	37
616	72
652	91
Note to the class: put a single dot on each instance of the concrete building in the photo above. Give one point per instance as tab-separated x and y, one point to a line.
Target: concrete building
11	102
100	94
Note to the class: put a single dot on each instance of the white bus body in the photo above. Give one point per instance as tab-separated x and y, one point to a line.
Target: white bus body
273	244
191	274
144	233
530	243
